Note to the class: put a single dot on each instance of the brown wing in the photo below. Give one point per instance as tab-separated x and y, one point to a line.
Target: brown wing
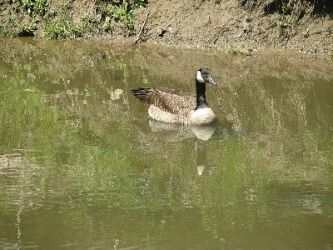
169	100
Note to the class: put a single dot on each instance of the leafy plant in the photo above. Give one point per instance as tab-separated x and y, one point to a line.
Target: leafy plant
7	28
38	6
27	3
107	24
286	26
27	29
122	13
62	28
88	24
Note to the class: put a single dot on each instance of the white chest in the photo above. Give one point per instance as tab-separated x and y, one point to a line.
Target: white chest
202	116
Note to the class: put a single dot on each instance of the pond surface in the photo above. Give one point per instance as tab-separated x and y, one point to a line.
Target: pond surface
82	167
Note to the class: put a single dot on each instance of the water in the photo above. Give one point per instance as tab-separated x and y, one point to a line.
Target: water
82	167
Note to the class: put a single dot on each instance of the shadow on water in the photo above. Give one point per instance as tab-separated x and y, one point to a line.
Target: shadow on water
82	166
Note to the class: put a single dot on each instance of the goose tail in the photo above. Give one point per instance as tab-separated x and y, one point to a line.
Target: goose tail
142	93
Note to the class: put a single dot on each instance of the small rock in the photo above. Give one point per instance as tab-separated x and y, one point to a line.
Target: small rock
162	32
115	95
98	18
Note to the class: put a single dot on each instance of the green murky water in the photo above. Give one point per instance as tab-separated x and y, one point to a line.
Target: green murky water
81	166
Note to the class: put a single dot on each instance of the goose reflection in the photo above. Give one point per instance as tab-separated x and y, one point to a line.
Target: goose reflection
180	132
202	163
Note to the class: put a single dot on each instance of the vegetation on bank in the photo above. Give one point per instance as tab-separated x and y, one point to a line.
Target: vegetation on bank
290	11
70	19
53	21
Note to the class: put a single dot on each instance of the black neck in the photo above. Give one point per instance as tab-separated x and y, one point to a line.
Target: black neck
201	95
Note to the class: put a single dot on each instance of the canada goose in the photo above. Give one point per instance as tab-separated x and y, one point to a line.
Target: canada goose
174	107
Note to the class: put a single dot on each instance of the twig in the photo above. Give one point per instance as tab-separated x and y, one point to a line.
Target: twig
220	33
142	28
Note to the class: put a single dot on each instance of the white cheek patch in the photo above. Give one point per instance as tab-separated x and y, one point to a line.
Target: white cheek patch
199	77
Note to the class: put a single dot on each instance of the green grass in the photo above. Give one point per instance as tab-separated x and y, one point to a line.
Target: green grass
62	29
59	23
119	13
62	26
37	6
7	29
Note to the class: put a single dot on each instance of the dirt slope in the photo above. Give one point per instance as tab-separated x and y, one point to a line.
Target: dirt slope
226	24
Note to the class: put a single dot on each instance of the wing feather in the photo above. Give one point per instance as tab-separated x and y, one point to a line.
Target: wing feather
166	99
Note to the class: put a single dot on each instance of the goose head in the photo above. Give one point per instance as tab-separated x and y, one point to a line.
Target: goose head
204	76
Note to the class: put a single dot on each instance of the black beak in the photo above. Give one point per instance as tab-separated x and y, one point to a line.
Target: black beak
210	80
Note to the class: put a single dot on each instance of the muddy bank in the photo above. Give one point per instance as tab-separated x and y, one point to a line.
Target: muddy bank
240	26
229	25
